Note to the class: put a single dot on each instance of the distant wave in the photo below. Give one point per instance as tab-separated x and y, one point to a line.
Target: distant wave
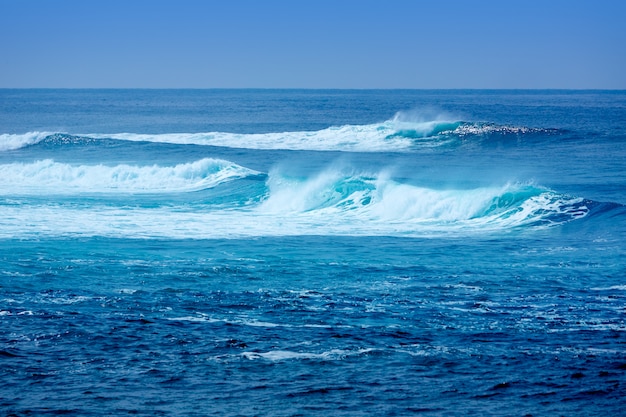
395	135
390	136
50	177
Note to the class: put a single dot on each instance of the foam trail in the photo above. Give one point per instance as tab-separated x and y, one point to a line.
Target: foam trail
50	177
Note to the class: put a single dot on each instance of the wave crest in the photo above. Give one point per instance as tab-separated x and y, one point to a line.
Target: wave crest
395	135
50	177
399	134
10	142
333	202
378	201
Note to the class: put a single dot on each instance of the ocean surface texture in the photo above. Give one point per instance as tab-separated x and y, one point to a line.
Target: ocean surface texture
310	252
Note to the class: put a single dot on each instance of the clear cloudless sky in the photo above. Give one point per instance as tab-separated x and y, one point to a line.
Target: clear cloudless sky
576	44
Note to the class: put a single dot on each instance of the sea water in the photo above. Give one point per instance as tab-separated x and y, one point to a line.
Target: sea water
311	252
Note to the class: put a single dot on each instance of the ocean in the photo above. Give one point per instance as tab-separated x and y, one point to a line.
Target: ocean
312	252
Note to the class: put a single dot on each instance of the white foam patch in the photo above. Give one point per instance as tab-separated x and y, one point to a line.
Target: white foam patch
393	135
127	291
142	223
611	288
285	355
194	319
68	300
50	177
9	142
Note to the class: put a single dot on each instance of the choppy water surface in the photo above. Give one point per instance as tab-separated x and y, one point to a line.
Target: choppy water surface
295	252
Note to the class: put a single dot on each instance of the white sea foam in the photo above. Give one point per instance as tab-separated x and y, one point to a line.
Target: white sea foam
50	177
406	130
10	142
26	313
128	291
393	135
194	319
68	300
330	203
611	288
284	355
380	201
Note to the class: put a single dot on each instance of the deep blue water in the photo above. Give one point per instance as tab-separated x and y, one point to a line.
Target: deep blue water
306	252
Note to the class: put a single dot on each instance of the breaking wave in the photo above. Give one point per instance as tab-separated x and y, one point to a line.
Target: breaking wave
380	200
395	135
50	177
9	142
332	202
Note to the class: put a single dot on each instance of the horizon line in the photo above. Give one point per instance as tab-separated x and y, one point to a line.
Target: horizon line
317	88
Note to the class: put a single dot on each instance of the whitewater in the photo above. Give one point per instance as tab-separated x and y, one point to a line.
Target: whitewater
300	252
396	134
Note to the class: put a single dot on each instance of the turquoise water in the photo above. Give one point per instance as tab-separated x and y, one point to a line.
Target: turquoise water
304	252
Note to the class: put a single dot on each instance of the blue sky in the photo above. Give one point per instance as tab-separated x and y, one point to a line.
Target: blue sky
313	44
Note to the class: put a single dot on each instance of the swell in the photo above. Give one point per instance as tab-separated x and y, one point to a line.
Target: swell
389	136
395	135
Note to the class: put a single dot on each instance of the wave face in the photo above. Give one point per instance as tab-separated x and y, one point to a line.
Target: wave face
331	202
381	202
